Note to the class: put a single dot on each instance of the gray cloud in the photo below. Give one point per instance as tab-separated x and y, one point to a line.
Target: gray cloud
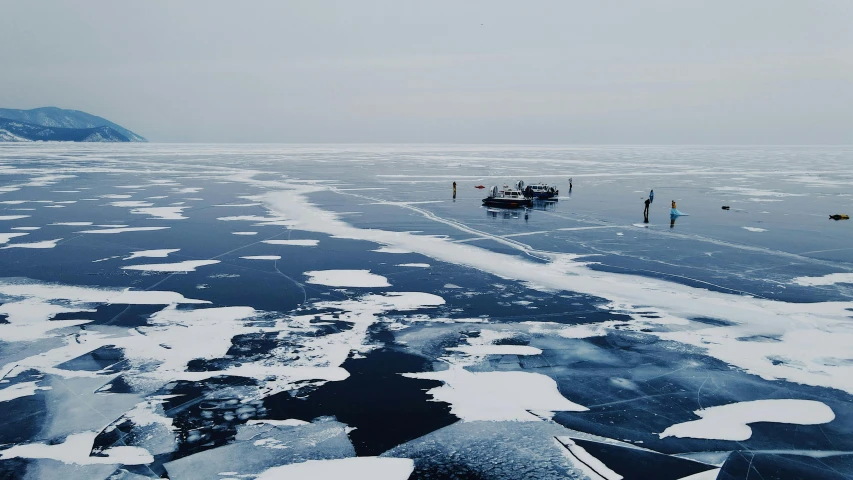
665	71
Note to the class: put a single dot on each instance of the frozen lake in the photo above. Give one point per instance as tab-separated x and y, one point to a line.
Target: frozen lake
287	311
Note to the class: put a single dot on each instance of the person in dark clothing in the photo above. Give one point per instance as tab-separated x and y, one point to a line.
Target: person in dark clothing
646	211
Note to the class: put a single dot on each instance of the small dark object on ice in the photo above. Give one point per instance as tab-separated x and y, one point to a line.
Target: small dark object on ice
480	186
838	216
726	207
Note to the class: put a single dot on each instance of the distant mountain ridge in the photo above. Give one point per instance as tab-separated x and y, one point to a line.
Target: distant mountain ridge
58	124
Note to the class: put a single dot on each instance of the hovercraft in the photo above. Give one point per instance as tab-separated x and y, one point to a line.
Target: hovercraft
541	191
507	198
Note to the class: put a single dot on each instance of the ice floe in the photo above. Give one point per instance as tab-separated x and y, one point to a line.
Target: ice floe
731	422
244	233
13	217
498	396
184	267
414	265
355	468
161	253
262	257
347	278
73	224
754	229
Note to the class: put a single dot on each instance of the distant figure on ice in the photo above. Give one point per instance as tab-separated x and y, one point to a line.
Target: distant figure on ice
674	212
454	189
646	211
651	196
570	183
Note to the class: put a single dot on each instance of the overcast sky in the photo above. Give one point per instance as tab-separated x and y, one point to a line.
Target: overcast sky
457	71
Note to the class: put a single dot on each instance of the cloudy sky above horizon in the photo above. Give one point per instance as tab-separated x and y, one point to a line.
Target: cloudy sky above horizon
490	71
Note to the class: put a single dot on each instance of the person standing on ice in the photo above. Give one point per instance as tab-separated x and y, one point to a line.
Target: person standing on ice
646	211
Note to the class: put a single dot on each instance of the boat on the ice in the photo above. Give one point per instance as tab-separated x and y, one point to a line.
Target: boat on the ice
507	198
541	191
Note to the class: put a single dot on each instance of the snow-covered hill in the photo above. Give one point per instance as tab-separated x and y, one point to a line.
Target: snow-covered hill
52	123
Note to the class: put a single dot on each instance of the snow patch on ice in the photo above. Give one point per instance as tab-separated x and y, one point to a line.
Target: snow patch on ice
831	279
162	213
496	350
244	233
290	422
754	229
5	237
414	265
76	450
36	245
298	243
391	250
123	230
161	253
19	390
262	257
347	278
185	266
730	422
497	396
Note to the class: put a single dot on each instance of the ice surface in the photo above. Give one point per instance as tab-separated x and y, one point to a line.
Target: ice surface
497	396
591	466
347	278
643	328
675	303
730	422
184	267
356	468
261	446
